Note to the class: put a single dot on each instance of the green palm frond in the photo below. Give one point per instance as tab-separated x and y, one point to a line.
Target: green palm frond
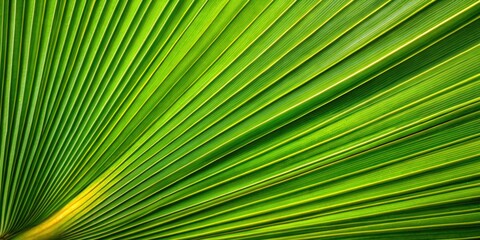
240	119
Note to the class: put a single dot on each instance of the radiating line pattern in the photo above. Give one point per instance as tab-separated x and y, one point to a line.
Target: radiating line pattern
239	119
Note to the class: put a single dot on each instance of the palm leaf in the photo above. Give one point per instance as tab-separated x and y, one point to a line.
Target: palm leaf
240	119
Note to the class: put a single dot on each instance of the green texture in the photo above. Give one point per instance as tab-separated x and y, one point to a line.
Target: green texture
240	119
